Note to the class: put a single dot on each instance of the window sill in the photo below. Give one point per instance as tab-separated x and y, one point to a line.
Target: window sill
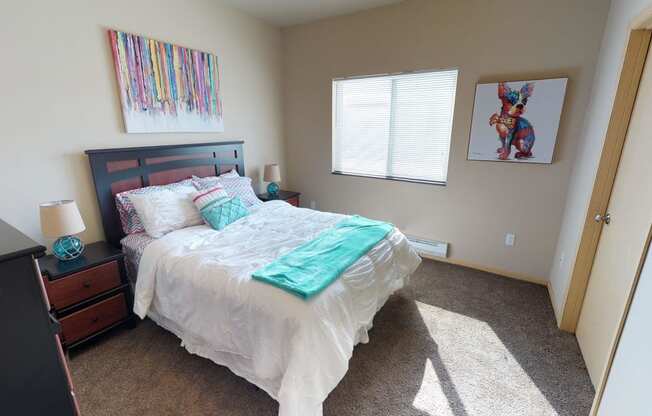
390	178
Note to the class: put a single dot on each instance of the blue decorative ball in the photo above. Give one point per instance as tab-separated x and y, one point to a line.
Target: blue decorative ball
67	248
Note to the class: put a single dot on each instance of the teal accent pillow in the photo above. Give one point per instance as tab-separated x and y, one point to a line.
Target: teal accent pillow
223	211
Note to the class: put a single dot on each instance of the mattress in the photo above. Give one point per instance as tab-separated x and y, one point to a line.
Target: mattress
197	283
133	245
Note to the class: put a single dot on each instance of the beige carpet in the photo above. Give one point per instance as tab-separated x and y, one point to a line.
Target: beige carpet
455	342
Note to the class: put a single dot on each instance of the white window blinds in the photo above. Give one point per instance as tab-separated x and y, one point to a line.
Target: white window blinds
394	126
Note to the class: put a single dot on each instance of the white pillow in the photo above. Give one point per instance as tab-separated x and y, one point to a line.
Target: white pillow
164	211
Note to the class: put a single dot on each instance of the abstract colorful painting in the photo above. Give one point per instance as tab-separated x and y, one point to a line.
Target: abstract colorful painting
164	87
516	121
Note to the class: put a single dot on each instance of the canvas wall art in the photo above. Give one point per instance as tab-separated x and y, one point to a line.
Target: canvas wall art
164	87
516	121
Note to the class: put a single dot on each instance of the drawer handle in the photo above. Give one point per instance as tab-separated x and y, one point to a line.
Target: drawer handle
95	319
86	284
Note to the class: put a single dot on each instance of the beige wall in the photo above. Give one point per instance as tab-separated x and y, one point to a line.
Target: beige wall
590	140
60	95
488	41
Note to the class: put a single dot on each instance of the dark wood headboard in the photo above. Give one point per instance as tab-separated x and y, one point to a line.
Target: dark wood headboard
118	170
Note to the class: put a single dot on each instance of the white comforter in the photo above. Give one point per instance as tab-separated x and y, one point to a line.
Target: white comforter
196	283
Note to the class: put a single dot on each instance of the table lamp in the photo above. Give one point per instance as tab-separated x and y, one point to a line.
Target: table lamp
60	220
272	175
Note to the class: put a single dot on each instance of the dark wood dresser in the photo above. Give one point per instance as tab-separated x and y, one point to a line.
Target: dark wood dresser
34	377
89	295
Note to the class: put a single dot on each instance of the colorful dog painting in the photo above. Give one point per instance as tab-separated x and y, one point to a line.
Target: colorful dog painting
513	122
513	129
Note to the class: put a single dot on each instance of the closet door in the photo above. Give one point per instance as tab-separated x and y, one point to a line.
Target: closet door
626	223
627	388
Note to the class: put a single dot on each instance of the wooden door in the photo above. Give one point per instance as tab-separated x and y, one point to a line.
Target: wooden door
622	239
630	78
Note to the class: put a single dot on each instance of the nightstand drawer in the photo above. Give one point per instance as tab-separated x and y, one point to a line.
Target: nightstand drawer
293	201
90	320
83	285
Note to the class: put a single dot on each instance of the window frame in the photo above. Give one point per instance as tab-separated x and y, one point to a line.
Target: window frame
390	177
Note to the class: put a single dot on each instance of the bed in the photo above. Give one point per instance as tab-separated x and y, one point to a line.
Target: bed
196	282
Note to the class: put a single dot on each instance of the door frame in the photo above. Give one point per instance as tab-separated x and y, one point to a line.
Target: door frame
621	326
630	78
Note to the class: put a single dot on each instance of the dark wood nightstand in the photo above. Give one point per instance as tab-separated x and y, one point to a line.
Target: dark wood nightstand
290	197
89	295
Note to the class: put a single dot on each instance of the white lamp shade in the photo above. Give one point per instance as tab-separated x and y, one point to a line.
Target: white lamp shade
272	173
60	218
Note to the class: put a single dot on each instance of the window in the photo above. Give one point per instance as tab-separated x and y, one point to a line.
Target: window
394	126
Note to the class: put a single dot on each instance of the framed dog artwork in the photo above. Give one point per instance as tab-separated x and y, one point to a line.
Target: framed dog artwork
516	121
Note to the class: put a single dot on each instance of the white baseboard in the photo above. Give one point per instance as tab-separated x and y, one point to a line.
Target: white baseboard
504	273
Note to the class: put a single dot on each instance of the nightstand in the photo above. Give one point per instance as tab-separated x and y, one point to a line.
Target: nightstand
89	295
290	197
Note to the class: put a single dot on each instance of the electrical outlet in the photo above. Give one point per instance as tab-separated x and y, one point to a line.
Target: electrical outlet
509	239
313	204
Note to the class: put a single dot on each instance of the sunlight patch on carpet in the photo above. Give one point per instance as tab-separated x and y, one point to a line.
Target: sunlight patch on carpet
470	371
431	398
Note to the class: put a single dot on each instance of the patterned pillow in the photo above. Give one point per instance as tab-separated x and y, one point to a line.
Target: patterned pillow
211	181
218	210
129	219
239	186
205	183
205	197
230	174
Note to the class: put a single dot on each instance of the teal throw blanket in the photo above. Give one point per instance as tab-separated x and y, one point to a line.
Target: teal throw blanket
313	266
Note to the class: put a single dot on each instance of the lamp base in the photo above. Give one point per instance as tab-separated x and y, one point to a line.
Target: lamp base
272	189
67	248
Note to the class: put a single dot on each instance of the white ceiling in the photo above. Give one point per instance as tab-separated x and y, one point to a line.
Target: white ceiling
290	12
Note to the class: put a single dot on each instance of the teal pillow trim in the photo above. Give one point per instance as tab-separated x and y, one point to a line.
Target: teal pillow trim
224	211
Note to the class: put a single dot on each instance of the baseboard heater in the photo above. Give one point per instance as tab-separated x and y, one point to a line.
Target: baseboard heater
429	247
